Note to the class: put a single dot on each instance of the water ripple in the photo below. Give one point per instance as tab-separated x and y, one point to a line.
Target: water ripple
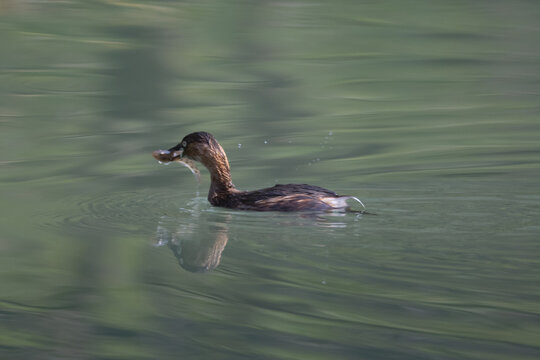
127	210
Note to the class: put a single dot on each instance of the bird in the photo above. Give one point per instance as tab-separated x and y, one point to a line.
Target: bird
203	147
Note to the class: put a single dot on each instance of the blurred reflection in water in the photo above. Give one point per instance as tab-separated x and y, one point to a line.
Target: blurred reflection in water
138	76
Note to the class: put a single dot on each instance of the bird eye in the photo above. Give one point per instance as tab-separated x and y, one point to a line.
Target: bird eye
184	143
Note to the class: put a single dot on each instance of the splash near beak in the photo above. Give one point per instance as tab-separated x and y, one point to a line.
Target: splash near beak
168	156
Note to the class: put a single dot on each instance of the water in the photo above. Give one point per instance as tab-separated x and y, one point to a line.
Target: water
426	111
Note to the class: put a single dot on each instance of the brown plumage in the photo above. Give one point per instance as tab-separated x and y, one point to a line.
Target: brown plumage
204	148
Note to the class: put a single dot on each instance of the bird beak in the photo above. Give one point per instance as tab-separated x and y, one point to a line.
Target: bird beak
167	156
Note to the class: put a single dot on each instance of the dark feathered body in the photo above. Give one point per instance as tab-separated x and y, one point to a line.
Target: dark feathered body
203	147
290	197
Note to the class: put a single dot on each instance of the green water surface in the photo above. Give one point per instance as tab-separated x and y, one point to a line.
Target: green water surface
428	111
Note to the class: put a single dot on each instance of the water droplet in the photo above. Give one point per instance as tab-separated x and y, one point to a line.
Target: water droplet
239	146
330	133
323	282
266	141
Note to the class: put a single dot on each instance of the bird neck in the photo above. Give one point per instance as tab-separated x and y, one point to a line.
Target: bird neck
220	173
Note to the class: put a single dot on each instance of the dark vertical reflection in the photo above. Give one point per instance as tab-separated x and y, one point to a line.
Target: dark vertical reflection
138	77
269	96
135	88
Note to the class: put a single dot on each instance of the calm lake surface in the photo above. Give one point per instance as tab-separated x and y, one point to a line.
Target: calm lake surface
428	111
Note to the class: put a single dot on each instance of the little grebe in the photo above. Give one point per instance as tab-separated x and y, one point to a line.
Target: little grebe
204	148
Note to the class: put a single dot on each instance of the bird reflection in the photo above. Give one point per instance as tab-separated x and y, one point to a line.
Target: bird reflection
197	251
197	237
